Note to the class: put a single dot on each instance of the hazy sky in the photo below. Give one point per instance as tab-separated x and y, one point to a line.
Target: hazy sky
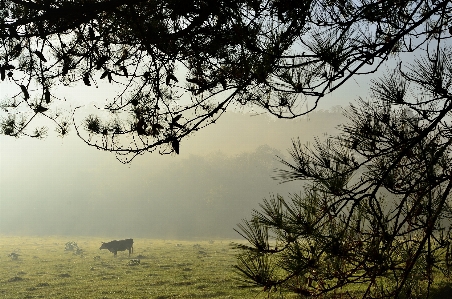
63	187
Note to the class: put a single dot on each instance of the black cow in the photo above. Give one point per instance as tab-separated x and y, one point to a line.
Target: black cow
121	245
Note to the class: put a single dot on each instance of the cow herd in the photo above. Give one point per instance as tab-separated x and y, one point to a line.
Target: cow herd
118	245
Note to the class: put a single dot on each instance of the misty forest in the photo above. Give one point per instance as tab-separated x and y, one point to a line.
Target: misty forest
203	195
225	149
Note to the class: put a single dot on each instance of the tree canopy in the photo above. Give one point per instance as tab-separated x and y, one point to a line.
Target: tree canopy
375	219
178	66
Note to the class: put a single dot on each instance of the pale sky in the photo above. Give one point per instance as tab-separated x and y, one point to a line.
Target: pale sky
61	186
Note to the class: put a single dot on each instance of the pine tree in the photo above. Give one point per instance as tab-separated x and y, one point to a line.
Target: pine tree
178	66
374	219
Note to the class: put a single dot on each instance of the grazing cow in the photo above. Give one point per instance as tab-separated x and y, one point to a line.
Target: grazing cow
121	245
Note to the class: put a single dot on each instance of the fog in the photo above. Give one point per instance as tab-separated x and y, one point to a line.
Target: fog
63	187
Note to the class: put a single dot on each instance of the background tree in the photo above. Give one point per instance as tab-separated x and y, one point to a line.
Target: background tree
176	67
376	213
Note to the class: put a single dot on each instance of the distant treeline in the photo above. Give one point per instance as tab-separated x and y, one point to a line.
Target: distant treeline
198	196
195	197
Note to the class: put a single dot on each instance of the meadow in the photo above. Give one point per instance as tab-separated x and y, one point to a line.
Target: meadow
41	267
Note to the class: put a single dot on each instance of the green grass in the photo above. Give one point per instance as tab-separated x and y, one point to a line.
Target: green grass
167	269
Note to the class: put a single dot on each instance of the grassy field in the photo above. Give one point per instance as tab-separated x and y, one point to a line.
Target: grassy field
43	268
40	267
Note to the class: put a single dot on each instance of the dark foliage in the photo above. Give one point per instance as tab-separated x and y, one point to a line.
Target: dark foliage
178	65
375	219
